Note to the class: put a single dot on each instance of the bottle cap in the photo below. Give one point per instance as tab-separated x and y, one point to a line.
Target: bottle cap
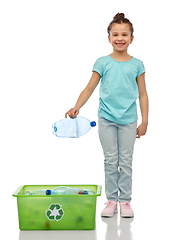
85	192
93	124
55	129
80	192
48	192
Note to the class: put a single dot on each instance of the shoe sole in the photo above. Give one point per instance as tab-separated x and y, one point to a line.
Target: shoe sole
106	215
127	216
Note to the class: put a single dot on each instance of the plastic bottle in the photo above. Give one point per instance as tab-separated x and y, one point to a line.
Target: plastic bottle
39	192
72	127
62	190
27	192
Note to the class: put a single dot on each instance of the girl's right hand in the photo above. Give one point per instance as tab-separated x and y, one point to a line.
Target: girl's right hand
73	112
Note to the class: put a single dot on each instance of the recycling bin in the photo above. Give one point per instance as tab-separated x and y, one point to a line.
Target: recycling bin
56	212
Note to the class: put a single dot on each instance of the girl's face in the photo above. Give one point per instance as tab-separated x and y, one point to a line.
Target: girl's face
120	36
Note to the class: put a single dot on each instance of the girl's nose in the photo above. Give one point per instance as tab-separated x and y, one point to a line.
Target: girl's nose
120	37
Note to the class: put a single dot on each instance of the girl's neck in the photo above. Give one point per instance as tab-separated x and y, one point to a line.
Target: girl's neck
120	56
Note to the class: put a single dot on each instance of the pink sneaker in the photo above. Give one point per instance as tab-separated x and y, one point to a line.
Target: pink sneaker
110	209
126	210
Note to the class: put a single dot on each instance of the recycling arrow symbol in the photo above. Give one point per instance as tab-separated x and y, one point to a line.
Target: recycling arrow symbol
55	212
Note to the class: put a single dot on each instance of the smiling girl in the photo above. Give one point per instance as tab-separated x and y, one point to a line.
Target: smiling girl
122	82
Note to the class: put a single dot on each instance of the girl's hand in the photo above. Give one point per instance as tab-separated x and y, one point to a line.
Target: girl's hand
141	130
73	112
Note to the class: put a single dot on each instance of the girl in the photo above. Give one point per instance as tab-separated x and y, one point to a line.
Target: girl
122	82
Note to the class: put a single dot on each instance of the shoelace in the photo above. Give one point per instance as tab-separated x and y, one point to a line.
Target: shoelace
108	204
126	205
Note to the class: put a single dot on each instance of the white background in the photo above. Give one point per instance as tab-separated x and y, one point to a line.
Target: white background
47	51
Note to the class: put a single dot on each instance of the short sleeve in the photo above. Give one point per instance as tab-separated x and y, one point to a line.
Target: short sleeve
98	67
141	68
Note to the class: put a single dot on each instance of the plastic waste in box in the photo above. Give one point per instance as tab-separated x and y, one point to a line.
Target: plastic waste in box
72	127
56	212
61	190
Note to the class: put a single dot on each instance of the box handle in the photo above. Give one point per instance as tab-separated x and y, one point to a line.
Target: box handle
17	191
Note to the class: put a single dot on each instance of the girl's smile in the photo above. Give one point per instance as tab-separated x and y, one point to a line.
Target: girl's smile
119	46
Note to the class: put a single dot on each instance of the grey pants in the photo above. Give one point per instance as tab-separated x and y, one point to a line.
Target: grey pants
117	142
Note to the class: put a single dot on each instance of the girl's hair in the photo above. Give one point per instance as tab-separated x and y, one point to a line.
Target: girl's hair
120	18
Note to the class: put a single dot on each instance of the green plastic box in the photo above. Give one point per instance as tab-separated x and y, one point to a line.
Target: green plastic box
56	212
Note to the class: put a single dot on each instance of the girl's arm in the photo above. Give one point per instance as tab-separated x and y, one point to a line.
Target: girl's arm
84	96
143	99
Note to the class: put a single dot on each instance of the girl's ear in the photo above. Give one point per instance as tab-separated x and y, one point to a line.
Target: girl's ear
109	39
132	38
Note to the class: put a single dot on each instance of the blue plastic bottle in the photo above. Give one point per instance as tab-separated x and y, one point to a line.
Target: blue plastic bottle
62	190
72	127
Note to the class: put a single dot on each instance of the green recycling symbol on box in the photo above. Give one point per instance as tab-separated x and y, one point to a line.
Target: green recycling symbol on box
55	212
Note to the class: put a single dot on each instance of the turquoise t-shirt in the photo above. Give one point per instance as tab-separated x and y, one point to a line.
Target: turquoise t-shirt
118	89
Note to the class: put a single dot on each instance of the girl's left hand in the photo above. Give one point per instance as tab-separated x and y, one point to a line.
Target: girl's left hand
141	130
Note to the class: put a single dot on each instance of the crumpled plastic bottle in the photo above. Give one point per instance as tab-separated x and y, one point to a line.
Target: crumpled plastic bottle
72	127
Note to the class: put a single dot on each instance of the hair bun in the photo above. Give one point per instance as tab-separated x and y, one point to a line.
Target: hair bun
120	18
118	15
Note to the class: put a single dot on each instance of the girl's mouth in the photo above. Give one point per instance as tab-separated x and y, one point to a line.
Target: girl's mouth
120	44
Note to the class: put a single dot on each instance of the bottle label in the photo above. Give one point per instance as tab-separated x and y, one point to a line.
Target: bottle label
55	212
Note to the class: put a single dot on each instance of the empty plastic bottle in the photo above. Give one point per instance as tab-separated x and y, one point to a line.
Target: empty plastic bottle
39	192
62	190
72	127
